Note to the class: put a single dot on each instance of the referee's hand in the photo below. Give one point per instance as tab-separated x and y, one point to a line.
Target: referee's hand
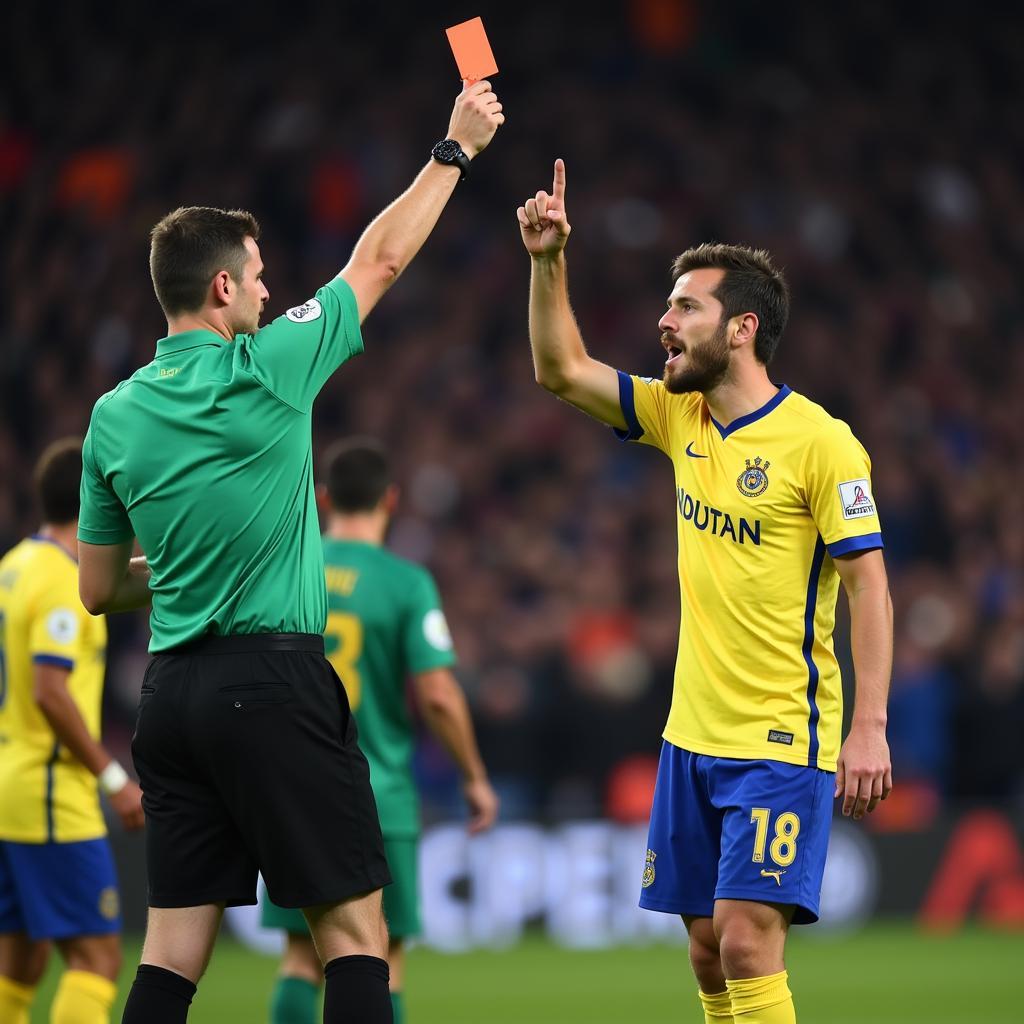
127	802
476	116
482	802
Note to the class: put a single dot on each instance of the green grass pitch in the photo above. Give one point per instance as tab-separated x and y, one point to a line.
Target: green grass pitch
885	974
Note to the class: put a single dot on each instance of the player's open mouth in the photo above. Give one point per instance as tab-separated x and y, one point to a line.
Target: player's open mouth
673	354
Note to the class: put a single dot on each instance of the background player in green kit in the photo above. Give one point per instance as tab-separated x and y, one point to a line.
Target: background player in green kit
384	625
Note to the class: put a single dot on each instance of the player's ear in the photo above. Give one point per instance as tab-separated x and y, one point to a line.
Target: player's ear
746	325
389	503
223	287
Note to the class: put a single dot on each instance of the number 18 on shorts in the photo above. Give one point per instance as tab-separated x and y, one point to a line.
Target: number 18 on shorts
728	829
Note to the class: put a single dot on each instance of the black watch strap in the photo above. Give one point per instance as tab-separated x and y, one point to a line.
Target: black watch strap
449	152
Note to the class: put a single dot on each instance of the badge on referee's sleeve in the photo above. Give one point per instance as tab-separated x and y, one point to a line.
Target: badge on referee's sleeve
309	310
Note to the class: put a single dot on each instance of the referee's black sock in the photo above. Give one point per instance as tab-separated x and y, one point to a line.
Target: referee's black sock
158	996
356	991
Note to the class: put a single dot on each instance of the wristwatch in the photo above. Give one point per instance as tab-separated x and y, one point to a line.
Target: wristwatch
449	152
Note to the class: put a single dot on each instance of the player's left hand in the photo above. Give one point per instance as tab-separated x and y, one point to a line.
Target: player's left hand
127	802
864	770
482	802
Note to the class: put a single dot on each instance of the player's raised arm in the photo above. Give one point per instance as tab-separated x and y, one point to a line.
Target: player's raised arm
395	236
560	358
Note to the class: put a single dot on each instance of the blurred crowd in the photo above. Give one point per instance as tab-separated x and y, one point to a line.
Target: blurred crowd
874	149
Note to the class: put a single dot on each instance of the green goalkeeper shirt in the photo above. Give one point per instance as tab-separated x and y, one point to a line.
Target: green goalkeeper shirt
384	624
205	455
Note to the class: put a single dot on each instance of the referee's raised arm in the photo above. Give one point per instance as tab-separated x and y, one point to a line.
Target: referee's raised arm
394	237
205	455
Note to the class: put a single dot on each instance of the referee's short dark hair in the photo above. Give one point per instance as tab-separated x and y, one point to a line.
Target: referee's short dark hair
192	244
358	474
57	478
751	284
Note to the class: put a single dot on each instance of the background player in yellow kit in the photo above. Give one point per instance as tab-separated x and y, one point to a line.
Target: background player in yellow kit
774	507
57	880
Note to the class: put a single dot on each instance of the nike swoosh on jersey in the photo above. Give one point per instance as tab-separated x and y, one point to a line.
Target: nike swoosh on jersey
694	455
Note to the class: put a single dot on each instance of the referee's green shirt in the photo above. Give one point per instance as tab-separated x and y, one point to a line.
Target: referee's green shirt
206	456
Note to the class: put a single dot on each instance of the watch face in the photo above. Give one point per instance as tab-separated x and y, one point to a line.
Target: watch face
446	151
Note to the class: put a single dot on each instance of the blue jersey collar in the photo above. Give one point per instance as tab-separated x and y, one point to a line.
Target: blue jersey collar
752	417
40	539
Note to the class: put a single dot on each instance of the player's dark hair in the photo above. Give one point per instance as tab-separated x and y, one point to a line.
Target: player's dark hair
751	284
57	477
192	244
358	474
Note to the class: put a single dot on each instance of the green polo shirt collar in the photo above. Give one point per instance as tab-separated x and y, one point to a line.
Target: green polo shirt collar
187	339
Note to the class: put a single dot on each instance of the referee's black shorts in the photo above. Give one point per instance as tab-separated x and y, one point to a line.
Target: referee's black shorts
247	757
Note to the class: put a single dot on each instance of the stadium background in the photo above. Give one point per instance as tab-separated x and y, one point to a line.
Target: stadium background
876	150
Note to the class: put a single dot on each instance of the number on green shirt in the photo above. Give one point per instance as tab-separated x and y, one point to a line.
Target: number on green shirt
344	636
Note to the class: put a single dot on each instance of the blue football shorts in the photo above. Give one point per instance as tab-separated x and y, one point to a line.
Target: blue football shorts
58	890
722	828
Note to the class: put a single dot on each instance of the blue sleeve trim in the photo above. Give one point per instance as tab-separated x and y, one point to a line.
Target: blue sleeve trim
869	542
633	431
53	659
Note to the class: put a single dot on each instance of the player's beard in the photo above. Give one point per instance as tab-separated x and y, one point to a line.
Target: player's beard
708	363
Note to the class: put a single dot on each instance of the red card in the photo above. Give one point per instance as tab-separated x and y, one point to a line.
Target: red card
472	50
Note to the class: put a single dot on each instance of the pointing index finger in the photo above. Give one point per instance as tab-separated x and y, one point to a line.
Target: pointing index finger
558	188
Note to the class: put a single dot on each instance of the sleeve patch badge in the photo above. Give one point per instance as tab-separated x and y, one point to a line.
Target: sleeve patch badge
855	499
435	629
62	625
309	310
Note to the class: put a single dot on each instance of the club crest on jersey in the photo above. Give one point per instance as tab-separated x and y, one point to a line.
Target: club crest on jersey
648	879
754	479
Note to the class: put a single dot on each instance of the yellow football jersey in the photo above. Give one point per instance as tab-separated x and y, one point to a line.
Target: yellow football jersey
763	505
45	794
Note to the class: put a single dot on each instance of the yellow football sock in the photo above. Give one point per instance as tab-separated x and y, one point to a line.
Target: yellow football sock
717	1007
82	998
762	1000
15	1001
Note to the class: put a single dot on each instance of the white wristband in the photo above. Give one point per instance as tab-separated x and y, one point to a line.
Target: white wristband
112	779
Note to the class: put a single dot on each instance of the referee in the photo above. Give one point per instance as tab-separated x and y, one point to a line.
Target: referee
245	746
